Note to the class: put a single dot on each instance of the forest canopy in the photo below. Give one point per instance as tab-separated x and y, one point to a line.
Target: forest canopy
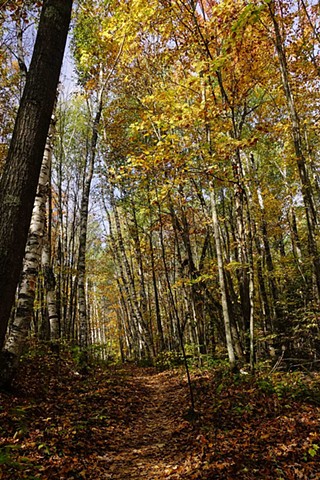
179	204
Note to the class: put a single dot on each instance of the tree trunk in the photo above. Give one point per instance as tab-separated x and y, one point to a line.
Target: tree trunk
306	189
50	289
27	288
224	298
18	184
143	332
160	333
83	229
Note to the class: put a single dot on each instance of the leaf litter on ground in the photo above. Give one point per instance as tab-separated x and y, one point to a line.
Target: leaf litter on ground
128	422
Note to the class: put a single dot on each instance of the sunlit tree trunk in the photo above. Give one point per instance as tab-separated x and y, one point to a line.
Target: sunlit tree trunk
311	214
28	284
274	316
160	334
142	328
50	290
134	231
224	298
84	212
136	328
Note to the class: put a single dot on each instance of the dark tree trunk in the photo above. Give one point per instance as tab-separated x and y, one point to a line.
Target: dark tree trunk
19	181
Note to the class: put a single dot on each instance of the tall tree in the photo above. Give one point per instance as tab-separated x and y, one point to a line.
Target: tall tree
20	326
21	172
306	187
84	213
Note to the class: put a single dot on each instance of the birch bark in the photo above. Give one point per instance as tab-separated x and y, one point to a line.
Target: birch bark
27	289
50	289
18	184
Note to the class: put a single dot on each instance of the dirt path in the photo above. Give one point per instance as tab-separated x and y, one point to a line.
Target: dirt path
119	423
129	423
154	445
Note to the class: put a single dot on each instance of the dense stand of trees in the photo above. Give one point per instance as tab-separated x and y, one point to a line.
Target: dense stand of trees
182	208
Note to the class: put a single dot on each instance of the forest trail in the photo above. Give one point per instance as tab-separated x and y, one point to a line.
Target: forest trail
156	440
118	423
132	423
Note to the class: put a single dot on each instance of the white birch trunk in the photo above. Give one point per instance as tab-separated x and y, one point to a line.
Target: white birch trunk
50	286
26	292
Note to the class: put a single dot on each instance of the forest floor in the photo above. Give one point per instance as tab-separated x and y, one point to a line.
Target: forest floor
129	422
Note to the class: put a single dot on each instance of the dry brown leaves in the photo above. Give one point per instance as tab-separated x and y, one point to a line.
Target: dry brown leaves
131	423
